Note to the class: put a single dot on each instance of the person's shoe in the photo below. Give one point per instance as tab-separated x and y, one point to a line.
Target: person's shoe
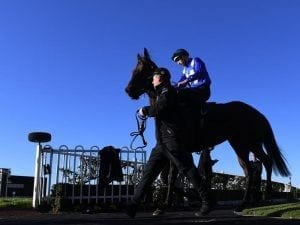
131	209
158	212
204	210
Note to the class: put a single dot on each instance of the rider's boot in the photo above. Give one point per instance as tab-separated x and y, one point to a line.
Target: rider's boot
205	206
201	187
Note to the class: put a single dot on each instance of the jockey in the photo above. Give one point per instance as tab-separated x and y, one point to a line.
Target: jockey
195	80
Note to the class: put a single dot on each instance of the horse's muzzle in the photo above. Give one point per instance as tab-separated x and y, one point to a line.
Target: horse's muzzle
131	93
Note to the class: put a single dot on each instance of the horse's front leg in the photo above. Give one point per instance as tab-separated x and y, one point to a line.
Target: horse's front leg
172	176
168	177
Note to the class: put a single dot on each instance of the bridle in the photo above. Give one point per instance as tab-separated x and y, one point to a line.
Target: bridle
141	124
148	73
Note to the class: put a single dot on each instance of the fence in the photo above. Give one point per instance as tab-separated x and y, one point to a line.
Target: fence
75	172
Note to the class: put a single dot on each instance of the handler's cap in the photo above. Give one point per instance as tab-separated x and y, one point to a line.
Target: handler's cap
163	72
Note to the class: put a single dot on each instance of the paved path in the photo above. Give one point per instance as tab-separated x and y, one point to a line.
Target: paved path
217	217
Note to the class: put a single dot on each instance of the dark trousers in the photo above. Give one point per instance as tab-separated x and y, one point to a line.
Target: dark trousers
194	96
159	158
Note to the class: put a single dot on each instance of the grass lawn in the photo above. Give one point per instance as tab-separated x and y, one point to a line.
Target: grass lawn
288	210
15	203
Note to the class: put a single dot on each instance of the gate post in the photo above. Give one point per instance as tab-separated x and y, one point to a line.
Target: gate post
38	137
36	198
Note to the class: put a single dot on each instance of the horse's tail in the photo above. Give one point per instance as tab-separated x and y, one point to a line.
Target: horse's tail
278	160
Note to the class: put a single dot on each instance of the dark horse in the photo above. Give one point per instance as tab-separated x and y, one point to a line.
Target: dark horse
245	128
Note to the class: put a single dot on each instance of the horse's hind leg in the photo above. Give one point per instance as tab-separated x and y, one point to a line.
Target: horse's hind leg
267	163
168	177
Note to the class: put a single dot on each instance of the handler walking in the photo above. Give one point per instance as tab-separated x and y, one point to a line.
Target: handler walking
168	146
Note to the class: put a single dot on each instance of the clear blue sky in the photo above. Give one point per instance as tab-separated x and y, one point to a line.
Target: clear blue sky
64	65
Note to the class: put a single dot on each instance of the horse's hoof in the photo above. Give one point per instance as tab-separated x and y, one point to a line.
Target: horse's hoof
238	210
131	209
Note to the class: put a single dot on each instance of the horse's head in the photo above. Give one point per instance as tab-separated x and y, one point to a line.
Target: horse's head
141	79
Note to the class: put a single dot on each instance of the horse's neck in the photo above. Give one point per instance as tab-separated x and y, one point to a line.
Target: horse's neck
152	100
152	96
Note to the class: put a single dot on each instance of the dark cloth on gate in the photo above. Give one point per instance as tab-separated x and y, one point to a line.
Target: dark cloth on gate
110	165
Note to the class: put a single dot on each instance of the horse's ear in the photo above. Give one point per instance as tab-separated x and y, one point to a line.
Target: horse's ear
139	56
146	53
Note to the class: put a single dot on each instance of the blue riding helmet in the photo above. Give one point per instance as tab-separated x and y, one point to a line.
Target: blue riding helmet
178	54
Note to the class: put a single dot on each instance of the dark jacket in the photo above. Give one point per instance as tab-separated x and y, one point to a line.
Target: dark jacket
165	111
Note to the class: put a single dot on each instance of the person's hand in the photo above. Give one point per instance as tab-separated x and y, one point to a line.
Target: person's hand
182	84
141	113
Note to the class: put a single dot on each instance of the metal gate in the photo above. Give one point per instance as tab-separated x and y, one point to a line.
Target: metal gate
76	172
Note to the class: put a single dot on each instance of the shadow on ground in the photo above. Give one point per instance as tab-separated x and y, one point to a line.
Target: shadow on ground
217	217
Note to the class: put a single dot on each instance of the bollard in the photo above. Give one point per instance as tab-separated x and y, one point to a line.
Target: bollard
38	137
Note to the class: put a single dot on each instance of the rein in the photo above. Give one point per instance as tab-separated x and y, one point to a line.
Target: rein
141	124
